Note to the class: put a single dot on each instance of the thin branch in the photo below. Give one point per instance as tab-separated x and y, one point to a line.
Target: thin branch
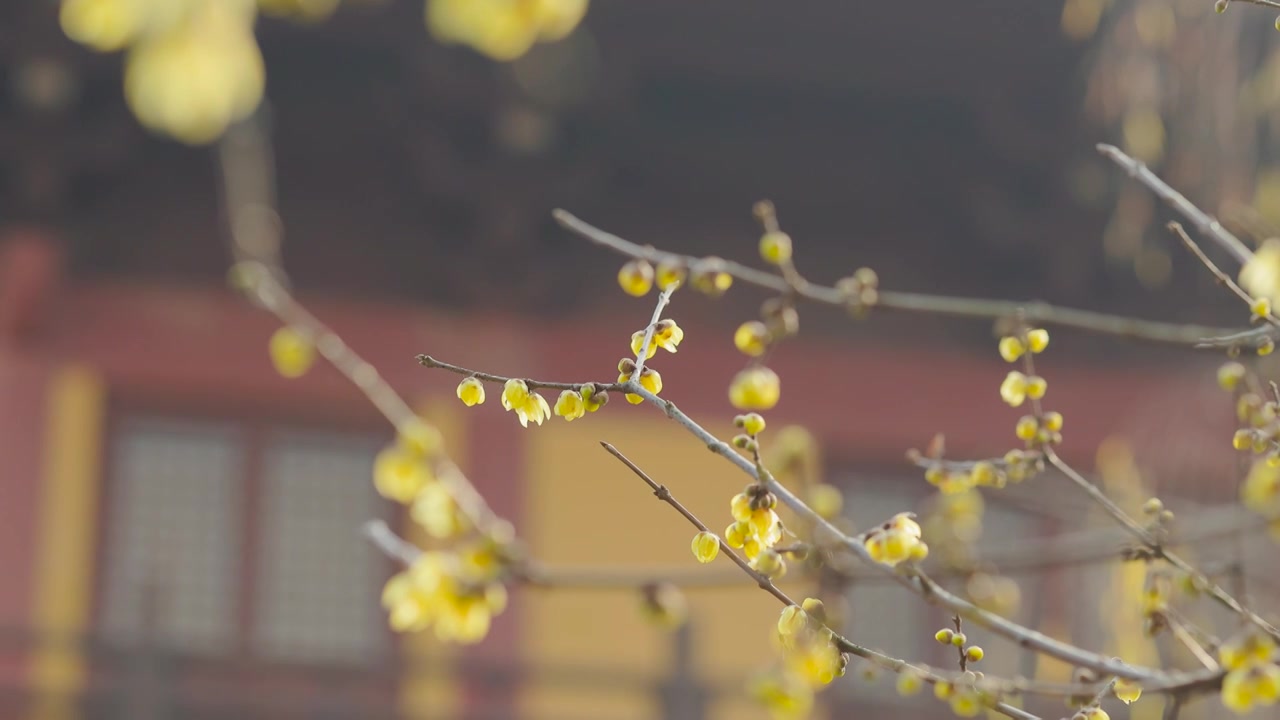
1202	221
1034	311
429	362
1214	589
766	584
391	544
1172	707
1185	637
1222	277
663	298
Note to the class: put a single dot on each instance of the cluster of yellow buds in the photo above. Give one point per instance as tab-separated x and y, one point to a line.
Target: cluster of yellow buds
708	275
1017	387
756	529
1253	678
503	29
192	68
957	639
955	478
860	290
896	541
1043	430
531	406
457	594
649	379
808	645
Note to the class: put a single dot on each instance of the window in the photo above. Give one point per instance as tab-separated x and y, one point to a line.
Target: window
318	579
172	554
185	497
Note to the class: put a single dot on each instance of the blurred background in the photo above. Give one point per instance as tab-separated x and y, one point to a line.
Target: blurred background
180	526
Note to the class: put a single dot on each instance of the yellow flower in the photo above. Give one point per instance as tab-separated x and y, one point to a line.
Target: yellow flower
785	697
736	534
909	682
436	511
1261	489
650	380
1014	388
710	278
770	564
1036	387
503	29
1053	421
751	338
775	247
527	405
464	619
751	423
1127	691
1261	274
1246	650
195	79
400	476
292	354
636	277
666	335
826	500
1230	375
1037	340
104	25
1238	691
668	274
409	608
571	406
816	660
706	546
974	653
1011	348
966	702
1026	428
594	399
420	439
755	388
471	392
792	620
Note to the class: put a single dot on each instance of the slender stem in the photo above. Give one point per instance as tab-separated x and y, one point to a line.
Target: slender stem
1180	632
429	362
1222	277
1034	311
643	354
1214	589
763	581
1202	221
391	545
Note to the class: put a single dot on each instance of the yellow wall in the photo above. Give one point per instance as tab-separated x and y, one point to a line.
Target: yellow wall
61	605
583	507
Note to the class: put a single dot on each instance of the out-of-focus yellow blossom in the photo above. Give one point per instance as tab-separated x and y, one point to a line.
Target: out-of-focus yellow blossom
437	512
1260	275
668	274
752	423
737	533
1261	489
826	500
104	25
910	682
1036	387
308	10
1011	348
816	660
775	247
1092	713
292	354
892	547
792	620
974	653
195	79
785	697
1037	340
1247	649
570	405
471	392
528	406
420	439
966	701
399	475
1230	375
1127	691
1027	427
751	338
664	605
636	277
755	388
710	277
1014	388
943	690
706	546
1053	421
1253	684
769	563
503	29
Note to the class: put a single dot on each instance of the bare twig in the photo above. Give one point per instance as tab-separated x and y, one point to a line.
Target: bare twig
981	309
430	362
1202	221
1180	632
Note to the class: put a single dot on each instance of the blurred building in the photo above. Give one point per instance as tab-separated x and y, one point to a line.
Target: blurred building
179	527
